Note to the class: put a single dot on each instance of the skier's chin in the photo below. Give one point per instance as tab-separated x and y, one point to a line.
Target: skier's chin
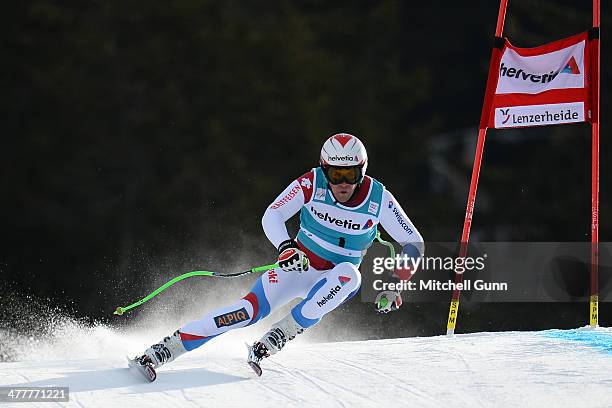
343	192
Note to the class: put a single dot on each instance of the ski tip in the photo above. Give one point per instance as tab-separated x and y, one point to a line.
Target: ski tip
256	367
150	373
253	364
146	370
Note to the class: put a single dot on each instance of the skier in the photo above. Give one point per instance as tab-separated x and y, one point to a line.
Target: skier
340	209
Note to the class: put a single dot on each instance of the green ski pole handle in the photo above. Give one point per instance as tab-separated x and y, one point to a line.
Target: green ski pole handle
120	310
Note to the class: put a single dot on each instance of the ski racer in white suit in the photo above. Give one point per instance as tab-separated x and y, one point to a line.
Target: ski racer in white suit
340	209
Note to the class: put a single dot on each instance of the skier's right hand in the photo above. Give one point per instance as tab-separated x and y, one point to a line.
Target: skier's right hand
291	258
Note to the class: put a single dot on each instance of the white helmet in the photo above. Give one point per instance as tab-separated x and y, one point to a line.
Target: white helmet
344	150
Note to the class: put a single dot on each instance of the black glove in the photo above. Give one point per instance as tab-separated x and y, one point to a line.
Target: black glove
291	258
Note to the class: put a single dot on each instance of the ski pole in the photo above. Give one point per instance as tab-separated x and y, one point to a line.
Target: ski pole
120	310
386	243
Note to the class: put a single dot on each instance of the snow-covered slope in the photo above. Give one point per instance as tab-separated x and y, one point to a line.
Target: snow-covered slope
550	368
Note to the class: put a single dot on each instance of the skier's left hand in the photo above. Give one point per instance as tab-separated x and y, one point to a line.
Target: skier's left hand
388	301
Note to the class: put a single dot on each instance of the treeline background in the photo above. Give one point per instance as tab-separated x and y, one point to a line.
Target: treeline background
145	139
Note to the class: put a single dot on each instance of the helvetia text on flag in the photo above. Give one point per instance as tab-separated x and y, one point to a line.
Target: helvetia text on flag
545	85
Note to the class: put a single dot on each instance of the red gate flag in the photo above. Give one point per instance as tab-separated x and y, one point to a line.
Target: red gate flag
553	84
547	85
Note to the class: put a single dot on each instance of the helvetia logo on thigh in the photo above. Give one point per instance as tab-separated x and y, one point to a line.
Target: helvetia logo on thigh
329	296
230	318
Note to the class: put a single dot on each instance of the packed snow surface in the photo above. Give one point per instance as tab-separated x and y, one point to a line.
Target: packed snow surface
561	368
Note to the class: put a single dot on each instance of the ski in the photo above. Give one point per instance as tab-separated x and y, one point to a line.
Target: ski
253	361
256	367
146	370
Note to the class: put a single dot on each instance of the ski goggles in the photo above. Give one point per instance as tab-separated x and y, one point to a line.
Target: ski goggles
337	175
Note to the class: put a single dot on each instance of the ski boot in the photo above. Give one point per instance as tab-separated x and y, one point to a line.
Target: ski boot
158	354
273	341
164	352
